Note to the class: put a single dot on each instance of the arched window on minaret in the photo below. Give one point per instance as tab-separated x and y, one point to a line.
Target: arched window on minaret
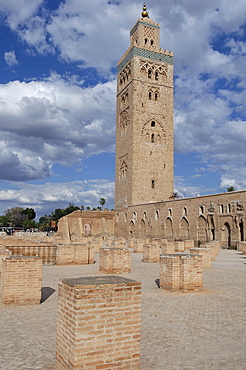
150	95
152	138
153	184
149	73
156	76
156	96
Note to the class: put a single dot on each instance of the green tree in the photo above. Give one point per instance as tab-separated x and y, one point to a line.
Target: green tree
102	202
3	221
15	217
45	223
31	214
231	188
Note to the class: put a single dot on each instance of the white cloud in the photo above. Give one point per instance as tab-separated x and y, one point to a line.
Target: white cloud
10	58
53	121
46	198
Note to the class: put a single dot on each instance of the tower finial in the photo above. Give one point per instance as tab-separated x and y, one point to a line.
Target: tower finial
144	12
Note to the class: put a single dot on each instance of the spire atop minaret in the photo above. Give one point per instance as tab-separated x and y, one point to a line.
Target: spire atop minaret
144	12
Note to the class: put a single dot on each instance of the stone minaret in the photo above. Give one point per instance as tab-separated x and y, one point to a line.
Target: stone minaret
144	128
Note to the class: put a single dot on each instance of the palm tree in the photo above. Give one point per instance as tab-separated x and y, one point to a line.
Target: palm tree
102	202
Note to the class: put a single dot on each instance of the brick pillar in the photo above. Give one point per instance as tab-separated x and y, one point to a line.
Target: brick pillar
98	323
179	246
242	247
21	280
191	272
181	272
206	256
151	253
188	244
169	272
168	248
115	260
138	246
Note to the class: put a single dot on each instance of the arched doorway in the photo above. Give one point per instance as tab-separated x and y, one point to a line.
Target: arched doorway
143	229
132	229
184	229
241	236
169	229
202	229
226	235
87	229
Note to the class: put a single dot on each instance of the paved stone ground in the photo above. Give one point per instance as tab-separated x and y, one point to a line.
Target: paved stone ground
204	330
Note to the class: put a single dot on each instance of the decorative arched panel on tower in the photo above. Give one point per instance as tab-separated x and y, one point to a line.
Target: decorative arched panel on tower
124	121
153	132
154	72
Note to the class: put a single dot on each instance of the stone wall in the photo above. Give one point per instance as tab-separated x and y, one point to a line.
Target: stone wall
204	219
74	254
98	324
79	224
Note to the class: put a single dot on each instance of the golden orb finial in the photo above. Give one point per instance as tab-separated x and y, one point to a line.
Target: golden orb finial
144	12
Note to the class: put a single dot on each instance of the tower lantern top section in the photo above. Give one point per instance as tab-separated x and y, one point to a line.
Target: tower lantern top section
145	42
144	12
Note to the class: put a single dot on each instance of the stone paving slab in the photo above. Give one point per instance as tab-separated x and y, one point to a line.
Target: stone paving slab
203	330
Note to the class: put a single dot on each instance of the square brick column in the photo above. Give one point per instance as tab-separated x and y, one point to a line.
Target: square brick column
115	260
138	246
179	246
168	248
151	253
188	244
21	280
169	272
191	272
98	323
242	247
206	256
181	272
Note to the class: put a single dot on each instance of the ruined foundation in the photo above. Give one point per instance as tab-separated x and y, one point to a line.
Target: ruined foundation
21	280
115	260
181	272
151	253
98	324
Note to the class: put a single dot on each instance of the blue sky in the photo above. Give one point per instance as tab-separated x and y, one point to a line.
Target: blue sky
57	97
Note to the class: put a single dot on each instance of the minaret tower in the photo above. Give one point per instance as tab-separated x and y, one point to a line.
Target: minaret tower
144	128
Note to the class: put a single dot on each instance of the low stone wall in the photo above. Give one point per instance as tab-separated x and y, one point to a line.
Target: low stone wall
115	260
74	254
46	252
181	272
96	244
98	323
151	253
21	280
